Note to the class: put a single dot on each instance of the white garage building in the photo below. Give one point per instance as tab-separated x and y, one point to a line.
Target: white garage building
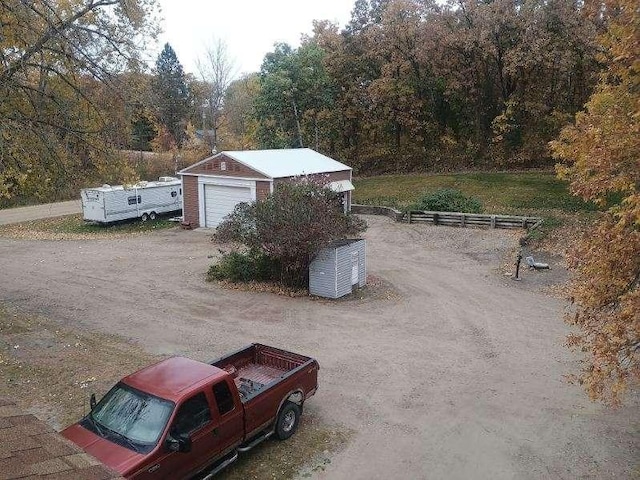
214	186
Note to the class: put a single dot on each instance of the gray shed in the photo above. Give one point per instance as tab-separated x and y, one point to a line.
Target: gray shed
338	268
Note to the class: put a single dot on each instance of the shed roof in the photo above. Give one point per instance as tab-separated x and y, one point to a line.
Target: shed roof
279	163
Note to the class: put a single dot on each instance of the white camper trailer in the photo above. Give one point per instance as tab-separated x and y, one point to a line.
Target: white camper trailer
143	200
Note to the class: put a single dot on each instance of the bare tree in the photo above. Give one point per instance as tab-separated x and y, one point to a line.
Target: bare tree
217	70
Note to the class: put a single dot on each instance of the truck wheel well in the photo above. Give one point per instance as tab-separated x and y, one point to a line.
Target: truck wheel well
296	396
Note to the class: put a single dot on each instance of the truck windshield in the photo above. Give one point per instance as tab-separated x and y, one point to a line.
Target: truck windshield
136	416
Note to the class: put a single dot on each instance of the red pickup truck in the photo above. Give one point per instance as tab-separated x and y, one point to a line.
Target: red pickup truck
180	418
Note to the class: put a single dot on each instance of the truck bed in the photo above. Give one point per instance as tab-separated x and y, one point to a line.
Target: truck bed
257	367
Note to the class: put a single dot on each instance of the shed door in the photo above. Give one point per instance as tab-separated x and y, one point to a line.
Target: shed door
355	269
220	200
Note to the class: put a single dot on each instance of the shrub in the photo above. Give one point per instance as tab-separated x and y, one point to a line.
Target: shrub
448	200
243	267
291	225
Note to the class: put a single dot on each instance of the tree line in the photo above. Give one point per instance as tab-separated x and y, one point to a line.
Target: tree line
76	91
412	85
406	85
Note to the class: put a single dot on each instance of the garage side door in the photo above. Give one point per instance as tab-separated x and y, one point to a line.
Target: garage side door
219	201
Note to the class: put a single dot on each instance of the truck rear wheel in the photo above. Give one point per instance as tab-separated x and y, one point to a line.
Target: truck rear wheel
288	420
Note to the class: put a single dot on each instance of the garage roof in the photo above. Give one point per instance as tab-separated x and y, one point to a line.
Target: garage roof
286	162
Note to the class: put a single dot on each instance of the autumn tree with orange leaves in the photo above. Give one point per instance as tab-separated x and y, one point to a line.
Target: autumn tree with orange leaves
601	158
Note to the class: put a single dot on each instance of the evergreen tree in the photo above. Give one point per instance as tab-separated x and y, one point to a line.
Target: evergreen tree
171	96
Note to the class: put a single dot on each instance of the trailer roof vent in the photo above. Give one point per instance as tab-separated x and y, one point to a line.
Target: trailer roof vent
167	179
106	185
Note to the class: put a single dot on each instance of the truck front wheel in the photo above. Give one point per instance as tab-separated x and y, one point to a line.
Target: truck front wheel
288	420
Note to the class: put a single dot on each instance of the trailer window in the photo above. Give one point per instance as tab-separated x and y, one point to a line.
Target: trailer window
132	199
224	399
174	194
193	414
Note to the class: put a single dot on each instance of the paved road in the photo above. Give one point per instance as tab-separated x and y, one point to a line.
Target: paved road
36	212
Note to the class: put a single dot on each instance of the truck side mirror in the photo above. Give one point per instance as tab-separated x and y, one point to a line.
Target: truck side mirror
181	443
92	401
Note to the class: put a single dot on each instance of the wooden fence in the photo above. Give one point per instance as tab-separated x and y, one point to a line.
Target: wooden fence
455	219
472	219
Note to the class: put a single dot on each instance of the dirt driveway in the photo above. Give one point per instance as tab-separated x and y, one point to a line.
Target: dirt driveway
458	376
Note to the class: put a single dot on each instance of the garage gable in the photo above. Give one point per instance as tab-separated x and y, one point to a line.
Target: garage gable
222	165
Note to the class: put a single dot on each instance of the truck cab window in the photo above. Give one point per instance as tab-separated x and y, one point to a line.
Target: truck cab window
224	399
193	414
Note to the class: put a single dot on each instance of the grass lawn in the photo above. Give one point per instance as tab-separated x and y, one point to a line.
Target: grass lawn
73	226
526	193
507	193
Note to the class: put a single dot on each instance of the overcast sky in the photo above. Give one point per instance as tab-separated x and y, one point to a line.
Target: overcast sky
249	27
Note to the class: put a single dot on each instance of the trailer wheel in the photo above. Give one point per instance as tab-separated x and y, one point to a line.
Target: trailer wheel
288	420
144	217
152	216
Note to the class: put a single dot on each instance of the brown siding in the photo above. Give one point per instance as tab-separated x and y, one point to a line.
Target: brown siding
343	175
190	199
233	169
262	190
330	177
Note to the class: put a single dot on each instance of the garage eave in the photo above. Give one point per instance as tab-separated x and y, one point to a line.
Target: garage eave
252	179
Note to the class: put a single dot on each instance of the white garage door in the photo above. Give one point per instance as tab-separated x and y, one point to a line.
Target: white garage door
220	200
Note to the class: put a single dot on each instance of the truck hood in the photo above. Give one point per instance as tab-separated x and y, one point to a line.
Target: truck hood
118	458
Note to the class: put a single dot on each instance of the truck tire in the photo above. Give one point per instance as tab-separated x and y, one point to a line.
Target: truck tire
288	420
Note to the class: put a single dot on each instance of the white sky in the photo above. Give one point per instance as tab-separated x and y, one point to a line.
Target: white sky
249	27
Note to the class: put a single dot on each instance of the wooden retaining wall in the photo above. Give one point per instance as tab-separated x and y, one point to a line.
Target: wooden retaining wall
471	219
455	219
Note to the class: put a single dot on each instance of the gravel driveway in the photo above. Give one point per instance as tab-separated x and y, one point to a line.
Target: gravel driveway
458	376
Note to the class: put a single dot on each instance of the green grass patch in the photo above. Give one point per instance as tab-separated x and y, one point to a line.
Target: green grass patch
73	226
506	193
